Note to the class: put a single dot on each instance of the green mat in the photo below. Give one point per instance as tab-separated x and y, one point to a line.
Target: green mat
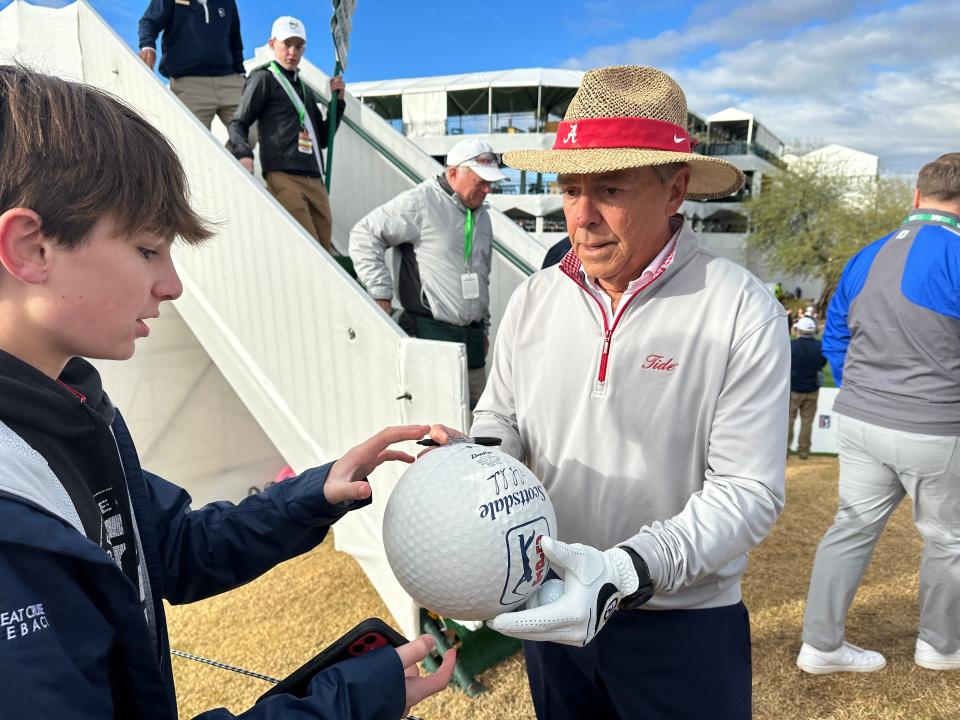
482	649
347	264
479	650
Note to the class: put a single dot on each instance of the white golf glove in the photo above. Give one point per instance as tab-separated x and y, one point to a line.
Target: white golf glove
572	611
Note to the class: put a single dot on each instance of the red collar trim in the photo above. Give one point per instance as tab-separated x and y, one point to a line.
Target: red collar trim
572	268
79	395
623	132
570	265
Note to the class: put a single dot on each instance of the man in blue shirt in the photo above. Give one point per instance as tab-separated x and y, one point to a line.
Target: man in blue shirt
893	341
202	53
806	361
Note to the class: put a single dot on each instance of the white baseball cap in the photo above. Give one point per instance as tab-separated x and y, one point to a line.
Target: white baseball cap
806	326
479	157
287	27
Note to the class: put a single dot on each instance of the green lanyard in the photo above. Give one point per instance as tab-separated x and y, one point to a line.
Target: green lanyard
932	217
298	104
468	238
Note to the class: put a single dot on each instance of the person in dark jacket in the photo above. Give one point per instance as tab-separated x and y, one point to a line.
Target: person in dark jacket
202	53
556	252
90	544
292	131
806	362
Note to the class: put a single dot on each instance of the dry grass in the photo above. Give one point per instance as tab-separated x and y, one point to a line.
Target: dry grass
274	624
884	617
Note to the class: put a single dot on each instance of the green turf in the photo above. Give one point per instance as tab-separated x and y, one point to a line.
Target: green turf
828	377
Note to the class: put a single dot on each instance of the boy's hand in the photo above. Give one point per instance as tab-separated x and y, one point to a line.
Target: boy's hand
418	687
149	56
337	86
441	435
247	163
348	476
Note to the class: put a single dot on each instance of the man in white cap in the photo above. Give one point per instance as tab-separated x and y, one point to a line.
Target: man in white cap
806	362
292	131
645	380
443	233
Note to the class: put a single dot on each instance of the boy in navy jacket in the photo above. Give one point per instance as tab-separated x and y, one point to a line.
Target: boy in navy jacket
89	542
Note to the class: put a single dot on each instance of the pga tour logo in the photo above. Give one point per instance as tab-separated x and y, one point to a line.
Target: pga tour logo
526	563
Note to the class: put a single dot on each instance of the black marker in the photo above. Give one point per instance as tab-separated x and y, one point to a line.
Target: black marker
456	440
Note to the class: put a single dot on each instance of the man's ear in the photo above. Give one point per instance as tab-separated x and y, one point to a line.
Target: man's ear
916	198
24	249
678	190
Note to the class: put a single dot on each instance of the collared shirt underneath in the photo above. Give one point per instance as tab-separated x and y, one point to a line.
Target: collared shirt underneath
662	259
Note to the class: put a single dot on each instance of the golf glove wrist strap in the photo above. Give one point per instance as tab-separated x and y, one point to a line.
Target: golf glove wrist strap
634	595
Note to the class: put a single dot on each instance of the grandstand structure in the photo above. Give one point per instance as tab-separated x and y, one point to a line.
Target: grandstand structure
521	109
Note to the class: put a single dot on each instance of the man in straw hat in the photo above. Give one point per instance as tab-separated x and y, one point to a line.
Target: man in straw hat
660	432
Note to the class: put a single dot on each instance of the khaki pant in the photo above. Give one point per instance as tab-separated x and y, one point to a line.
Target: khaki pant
209	96
306	199
806	405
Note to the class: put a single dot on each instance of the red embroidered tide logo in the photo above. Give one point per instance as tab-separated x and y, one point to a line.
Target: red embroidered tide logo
658	362
541	561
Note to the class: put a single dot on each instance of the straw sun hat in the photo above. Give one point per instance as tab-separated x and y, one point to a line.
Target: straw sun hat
625	117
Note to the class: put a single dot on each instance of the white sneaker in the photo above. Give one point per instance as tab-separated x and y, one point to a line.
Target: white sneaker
929	657
846	658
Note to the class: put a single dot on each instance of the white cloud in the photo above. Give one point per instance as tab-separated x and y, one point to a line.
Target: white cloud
721	26
882	81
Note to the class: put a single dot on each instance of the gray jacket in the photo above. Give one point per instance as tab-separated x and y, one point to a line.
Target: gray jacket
426	224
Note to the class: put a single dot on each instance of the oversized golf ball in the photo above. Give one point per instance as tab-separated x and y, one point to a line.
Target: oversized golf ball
460	531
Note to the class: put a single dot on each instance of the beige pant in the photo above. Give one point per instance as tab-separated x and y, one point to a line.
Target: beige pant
209	96
806	405
306	199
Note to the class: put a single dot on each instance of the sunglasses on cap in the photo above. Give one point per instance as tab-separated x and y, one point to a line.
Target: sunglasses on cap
483	159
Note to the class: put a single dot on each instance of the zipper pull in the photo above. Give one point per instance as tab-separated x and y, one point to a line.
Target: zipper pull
602	375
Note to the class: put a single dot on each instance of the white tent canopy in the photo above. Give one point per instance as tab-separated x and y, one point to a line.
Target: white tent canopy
425	111
730	115
525	77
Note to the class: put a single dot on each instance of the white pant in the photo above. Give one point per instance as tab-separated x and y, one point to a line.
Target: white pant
878	466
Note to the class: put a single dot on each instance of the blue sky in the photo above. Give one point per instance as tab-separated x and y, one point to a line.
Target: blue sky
881	76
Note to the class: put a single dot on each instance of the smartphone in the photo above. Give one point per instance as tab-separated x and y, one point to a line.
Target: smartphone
371	634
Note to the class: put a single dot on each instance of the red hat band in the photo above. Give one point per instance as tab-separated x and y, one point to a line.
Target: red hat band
623	132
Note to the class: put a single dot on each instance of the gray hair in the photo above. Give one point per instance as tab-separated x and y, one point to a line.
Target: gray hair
940	179
665	173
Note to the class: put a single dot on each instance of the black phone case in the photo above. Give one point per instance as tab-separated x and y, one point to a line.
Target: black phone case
371	634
